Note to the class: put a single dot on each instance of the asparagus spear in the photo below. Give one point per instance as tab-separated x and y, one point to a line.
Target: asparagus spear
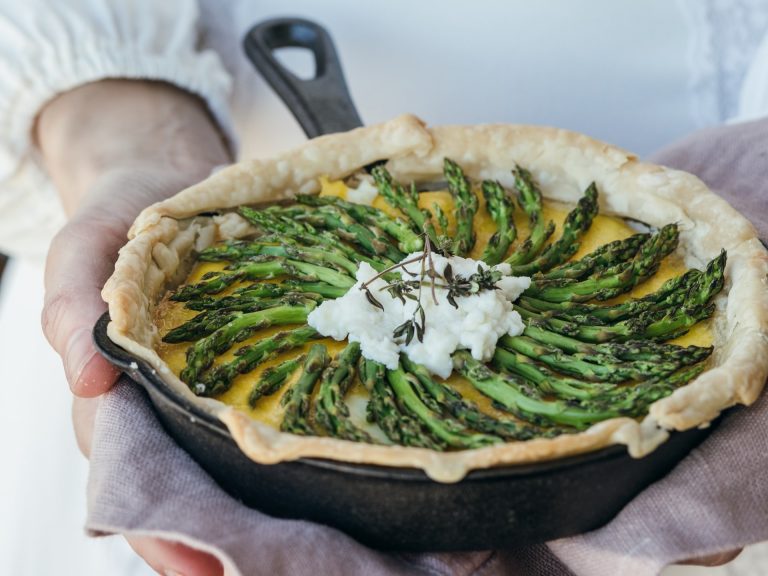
634	400
406	201
408	240
673	292
649	352
623	401
398	424
213	283
210	320
272	221
258	291
608	370
465	207
331	413
297	399
508	394
633	350
616	280
655	324
711	282
328	218
442	219
602	257
262	270
670	311
220	378
501	209
279	226
446	429
371	239
530	202
543	379
234	251
201	354
662	378
312	272
448	400
576	224
693	288
274	378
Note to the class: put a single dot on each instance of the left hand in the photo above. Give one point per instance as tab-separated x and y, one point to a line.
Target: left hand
112	148
714	559
163	556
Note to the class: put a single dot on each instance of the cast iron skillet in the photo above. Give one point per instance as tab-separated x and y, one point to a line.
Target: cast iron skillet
394	508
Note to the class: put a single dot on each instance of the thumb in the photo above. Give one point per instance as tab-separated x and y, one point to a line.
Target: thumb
80	259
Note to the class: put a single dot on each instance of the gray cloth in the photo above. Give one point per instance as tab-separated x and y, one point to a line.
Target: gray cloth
714	500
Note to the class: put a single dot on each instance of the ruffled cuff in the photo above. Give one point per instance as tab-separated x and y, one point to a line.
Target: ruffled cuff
49	47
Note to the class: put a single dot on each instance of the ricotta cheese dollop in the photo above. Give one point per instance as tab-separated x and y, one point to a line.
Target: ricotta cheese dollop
475	324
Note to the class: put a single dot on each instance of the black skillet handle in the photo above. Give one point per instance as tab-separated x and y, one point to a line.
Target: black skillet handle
322	104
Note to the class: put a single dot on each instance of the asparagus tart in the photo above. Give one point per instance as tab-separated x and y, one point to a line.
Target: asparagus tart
448	299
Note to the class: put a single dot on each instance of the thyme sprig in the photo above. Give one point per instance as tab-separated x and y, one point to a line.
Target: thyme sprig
402	289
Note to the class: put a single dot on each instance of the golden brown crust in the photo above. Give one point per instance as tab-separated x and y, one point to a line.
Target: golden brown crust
294	172
164	237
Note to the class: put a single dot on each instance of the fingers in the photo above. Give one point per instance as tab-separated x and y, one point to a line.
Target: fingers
83	417
80	260
172	558
165	557
714	559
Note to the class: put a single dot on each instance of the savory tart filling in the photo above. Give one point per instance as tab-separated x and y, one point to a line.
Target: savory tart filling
417	291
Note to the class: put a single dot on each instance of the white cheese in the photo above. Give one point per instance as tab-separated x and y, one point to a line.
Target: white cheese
365	193
478	322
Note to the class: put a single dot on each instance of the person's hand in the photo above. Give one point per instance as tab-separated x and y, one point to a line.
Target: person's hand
165	557
112	148
714	559
726	158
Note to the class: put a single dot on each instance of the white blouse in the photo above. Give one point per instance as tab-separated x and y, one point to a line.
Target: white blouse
635	74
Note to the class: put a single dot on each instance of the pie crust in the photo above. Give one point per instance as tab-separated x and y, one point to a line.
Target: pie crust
166	236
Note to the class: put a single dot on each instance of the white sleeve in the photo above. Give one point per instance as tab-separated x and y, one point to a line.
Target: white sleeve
753	98
49	46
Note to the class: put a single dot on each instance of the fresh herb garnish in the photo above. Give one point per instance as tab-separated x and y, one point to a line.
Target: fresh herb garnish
456	285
